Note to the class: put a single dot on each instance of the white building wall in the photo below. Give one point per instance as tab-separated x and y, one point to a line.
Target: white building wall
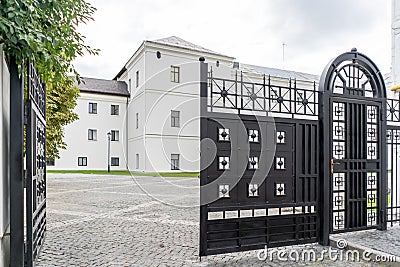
155	140
76	134
4	163
396	42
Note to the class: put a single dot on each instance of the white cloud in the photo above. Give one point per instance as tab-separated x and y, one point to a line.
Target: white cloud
252	31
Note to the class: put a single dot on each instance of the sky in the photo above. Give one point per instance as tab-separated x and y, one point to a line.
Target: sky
252	31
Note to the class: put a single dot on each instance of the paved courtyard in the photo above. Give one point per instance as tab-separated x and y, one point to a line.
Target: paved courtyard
123	221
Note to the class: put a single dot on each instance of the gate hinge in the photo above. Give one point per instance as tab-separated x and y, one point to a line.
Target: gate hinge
25	114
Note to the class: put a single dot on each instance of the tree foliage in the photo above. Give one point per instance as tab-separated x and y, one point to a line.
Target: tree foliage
45	32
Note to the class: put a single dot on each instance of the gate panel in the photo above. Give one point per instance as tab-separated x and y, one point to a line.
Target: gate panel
393	149
281	210
259	177
355	164
36	166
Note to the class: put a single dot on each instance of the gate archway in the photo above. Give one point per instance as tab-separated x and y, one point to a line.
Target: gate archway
353	137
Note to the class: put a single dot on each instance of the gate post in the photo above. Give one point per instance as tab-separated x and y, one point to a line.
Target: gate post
324	181
203	164
16	165
383	181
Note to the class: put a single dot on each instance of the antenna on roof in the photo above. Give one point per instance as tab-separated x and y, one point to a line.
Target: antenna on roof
283	54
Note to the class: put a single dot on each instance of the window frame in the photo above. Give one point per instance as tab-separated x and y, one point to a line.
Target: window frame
175	162
114	110
175	74
114	133
175	120
137	79
82	161
112	161
93	134
92	108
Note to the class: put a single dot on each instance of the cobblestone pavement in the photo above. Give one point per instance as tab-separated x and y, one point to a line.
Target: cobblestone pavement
111	221
385	241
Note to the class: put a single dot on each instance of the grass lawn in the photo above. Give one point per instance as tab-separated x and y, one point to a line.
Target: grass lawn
162	174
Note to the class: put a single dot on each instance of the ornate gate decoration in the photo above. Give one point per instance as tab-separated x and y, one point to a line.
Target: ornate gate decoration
35	166
393	159
259	165
291	164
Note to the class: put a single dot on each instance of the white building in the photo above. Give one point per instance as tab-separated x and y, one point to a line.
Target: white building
395	73
163	111
101	107
160	129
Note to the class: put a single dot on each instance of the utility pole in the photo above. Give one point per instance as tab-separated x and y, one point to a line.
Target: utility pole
108	152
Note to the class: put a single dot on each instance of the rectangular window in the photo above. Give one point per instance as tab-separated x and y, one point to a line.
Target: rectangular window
50	162
114	109
82	161
175	118
174	74
114	135
92	108
114	161
130	85
137	120
137	79
92	134
137	161
174	161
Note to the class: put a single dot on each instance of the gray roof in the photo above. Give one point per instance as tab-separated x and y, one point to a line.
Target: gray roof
100	86
280	73
179	42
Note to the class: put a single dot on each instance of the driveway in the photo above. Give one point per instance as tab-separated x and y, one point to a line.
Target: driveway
100	220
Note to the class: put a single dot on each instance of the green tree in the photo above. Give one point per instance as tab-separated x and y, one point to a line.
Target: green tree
45	32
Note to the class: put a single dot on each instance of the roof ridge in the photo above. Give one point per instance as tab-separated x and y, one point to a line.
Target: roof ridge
295	71
100	79
103	86
182	43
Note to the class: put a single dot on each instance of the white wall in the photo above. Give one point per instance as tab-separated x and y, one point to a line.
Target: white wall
396	42
4	163
155	140
76	134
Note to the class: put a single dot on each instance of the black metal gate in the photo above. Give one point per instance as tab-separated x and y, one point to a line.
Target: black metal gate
290	164
35	166
355	163
353	115
259	164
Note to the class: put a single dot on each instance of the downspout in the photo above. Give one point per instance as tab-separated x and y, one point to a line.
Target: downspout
144	113
126	132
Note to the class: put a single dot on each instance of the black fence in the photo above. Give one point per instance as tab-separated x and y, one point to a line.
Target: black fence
27	189
35	166
393	148
291	163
